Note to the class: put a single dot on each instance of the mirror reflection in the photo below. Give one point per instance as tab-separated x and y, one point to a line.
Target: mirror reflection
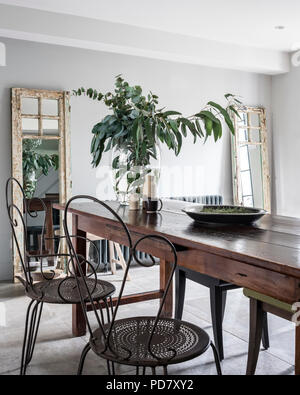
30	126
41	180
29	106
251	176
50	107
250	164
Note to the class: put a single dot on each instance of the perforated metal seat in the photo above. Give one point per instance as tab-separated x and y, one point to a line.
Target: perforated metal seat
173	342
64	291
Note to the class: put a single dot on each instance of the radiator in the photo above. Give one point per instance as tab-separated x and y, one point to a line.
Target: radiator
104	253
206	199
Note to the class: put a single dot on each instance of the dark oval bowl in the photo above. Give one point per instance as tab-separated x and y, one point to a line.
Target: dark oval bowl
244	218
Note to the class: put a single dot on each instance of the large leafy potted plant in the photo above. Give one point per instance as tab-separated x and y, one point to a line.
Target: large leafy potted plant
135	127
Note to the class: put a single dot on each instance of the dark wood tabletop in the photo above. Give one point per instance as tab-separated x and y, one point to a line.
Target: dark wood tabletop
272	243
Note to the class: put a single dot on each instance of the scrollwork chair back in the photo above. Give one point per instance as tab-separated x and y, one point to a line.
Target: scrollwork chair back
109	346
18	218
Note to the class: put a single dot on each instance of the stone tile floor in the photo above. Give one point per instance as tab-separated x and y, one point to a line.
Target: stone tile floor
58	353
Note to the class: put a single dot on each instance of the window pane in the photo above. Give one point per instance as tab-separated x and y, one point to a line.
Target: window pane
50	127
254	119
255	135
50	107
30	126
29	106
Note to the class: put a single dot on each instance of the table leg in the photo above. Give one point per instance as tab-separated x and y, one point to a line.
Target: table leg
49	244
165	271
297	350
78	318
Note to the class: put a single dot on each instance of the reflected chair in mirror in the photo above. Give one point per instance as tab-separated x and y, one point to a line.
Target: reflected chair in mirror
144	341
34	232
217	288
261	304
51	290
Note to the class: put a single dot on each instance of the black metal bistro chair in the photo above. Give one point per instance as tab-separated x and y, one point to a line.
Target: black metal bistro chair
143	342
53	290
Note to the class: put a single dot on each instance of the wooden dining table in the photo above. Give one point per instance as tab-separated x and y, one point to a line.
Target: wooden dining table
264	257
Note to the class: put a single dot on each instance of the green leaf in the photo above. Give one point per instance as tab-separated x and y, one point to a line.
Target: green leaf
173	125
115	163
108	146
224	113
198	126
208	126
90	92
121	133
160	133
148	130
183	129
168	139
217	129
179	142
237	101
235	111
169	113
189	124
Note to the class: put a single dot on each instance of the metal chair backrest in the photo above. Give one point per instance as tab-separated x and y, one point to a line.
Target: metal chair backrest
18	218
77	261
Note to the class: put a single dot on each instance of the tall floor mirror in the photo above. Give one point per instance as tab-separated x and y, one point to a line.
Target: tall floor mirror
41	162
250	164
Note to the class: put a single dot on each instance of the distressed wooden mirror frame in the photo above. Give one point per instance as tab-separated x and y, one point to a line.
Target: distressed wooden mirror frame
237	186
63	136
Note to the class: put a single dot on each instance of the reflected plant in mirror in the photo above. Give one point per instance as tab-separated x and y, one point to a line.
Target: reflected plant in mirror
35	163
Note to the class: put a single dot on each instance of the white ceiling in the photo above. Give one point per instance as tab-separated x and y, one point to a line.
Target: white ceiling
248	23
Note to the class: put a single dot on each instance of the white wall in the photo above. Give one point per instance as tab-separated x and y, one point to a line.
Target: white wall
286	142
206	168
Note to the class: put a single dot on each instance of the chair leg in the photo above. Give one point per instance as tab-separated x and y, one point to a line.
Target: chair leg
82	359
108	368
32	323
112	257
180	279
217	359
265	333
217	306
255	334
113	368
